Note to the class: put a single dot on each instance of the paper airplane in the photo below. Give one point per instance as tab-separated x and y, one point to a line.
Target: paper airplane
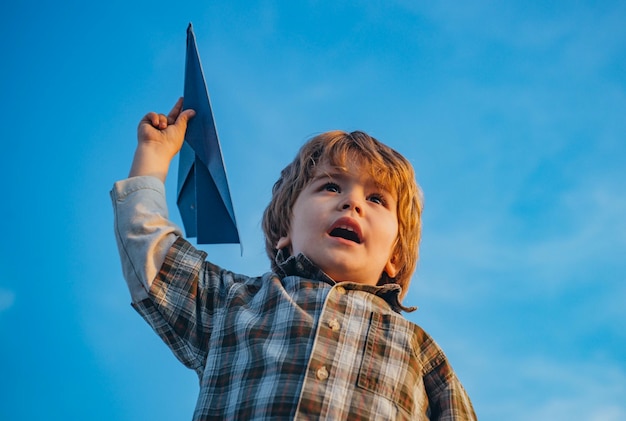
203	197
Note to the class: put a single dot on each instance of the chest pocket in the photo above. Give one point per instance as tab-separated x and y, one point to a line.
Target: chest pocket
390	366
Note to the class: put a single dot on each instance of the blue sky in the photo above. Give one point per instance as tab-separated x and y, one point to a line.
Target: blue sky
511	112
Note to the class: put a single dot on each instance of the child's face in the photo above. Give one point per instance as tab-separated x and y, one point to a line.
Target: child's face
346	224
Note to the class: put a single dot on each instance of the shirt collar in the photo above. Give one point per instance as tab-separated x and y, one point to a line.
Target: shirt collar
300	265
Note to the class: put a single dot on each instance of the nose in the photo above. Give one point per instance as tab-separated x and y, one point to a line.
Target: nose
350	202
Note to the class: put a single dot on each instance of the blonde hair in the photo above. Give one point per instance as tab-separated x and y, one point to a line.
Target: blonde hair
389	168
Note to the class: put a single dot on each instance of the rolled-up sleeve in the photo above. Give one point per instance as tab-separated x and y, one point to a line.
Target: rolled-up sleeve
143	231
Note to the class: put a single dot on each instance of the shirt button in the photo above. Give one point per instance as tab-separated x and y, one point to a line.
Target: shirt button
334	325
321	373
340	290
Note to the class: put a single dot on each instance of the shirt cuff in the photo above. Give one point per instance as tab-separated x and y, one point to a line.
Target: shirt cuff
142	230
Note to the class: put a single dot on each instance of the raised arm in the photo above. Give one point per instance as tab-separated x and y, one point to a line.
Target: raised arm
159	138
145	236
143	230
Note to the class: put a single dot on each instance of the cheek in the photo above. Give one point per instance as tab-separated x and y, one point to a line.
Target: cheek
392	236
392	226
298	230
304	217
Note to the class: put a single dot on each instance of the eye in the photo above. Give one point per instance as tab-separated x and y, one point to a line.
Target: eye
331	187
378	199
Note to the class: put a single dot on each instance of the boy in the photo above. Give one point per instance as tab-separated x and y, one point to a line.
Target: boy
319	337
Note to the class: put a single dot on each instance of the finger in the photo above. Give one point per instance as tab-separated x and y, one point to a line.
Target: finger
183	119
162	122
175	112
150	118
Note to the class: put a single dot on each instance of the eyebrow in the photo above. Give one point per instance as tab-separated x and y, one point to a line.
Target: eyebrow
339	175
330	174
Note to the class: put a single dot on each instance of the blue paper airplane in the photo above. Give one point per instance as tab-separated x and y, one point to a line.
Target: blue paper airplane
203	194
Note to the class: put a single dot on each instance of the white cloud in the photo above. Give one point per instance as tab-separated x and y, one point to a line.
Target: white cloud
523	387
597	235
583	235
577	390
7	299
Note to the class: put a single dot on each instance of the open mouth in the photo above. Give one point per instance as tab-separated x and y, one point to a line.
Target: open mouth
346	233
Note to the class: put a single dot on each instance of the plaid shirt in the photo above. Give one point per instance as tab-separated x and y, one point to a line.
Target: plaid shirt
295	344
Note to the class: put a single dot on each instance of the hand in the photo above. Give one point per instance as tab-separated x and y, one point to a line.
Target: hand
159	138
166	132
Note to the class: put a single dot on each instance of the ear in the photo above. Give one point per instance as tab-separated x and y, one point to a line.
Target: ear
283	242
391	267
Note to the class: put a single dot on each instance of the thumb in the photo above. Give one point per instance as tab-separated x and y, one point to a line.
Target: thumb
183	118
